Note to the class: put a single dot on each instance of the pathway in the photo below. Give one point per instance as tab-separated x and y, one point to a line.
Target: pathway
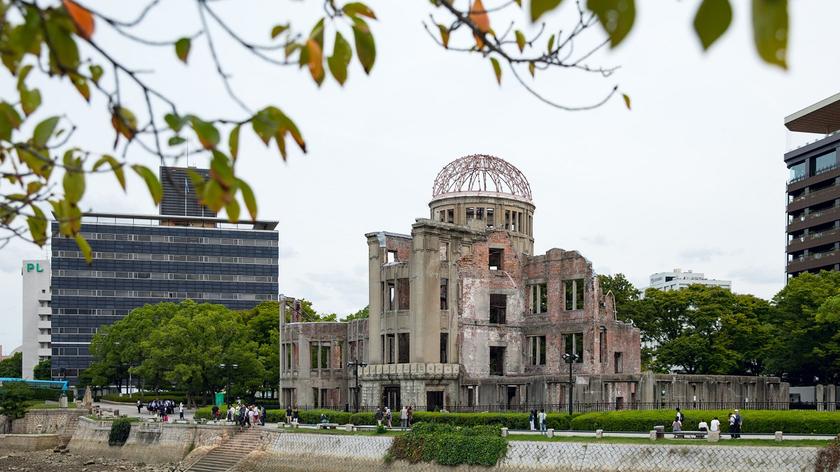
225	457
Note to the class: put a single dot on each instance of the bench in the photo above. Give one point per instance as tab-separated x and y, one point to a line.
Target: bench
690	434
327	425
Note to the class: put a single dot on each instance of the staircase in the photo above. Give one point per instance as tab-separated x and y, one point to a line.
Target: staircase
225	457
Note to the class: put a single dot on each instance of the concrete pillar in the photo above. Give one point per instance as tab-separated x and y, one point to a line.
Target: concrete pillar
778	436
504	432
713	436
653	435
599	433
819	397
348	427
550	433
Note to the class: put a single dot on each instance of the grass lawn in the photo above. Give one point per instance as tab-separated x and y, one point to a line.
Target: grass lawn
682	442
40	405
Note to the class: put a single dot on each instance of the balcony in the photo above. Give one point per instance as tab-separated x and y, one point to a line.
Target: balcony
44	352
42	324
413	371
813	198
44	338
44	310
822	176
814	261
816	218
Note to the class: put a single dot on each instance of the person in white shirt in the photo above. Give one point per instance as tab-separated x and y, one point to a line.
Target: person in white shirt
181	410
542	419
703	426
715	424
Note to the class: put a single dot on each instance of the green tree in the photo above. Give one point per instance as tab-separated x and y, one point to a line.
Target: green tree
43	370
12	366
626	294
806	343
45	173
362	314
13	396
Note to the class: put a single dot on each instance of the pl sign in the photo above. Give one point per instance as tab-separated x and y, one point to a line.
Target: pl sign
33	267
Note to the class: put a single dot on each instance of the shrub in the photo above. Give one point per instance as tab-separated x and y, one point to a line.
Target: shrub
828	459
381	429
13	397
120	428
556	421
447	444
754	421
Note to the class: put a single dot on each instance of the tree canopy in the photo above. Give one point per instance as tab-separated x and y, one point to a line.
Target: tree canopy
12	366
44	171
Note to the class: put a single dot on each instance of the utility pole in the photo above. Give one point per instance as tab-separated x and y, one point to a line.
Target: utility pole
570	359
355	365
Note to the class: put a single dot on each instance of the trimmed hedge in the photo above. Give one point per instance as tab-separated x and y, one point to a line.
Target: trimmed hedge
556	421
754	421
450	445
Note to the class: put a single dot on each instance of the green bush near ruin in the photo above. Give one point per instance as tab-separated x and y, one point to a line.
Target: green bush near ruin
120	429
446	444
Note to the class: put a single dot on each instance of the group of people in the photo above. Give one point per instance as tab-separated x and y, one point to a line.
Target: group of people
162	408
246	416
735	422
538	420
384	416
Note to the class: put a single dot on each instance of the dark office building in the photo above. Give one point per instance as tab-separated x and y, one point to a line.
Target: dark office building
148	259
179	193
813	203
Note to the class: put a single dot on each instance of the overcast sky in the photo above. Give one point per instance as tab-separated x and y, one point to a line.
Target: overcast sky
692	177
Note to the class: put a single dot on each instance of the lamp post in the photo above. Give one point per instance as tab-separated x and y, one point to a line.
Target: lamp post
570	359
354	364
227	368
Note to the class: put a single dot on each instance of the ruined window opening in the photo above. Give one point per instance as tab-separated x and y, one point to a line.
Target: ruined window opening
471	395
287	356
498	308
382	345
491	221
319	355
391	295
442	216
444	348
539	298
574	294
497	360
573	344
403	294
391	257
351	346
470	213
390	341
495	258
479	213
450	215
507	219
618	362
404	348
315	397
537	350
602	342
444	251
444	294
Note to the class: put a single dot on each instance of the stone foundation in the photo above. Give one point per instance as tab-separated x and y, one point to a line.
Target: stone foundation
28	442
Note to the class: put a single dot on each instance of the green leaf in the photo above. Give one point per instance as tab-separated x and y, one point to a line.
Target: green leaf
532	68
30	100
540	7
355	9
270	123
95	73
152	182
616	16
233	142
207	134
64	53
550	43
497	69
444	35
174	121
44	131
365	45
221	170
9	120
248	198
232	210
278	30
176	140
770	30
84	247
712	20
520	40
81	85
116	168
340	59
626	100
37	225
124	122
182	49
74	186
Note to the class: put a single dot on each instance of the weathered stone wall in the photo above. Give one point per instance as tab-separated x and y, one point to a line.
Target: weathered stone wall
51	421
327	453
28	442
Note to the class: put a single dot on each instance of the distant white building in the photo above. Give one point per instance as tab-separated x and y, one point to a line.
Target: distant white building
679	279
37	314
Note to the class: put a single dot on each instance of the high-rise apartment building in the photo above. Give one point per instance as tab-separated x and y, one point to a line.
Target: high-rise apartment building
36	314
148	259
813	190
679	279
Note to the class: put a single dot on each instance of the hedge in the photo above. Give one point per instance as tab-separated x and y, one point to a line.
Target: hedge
450	445
556	421
754	421
120	428
38	393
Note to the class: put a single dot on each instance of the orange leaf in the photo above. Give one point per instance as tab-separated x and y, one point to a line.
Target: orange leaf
478	15
81	17
316	61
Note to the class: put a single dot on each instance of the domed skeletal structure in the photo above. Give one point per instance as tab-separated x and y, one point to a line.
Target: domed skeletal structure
483	174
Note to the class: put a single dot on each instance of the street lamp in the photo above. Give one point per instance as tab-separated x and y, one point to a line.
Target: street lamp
227	368
354	364
570	359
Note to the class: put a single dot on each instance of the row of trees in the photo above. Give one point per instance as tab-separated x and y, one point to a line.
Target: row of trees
12	366
709	330
192	347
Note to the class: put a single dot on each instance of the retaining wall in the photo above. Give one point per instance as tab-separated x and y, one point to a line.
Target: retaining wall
147	442
28	442
52	421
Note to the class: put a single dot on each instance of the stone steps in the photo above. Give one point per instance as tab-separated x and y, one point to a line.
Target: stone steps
225	457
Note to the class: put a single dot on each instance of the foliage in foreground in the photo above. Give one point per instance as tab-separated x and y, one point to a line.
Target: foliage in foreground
13	397
120	429
450	445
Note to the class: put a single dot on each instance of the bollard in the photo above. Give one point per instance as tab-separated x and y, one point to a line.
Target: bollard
504	432
660	432
653	435
550	433
713	436
348	427
599	433
778	436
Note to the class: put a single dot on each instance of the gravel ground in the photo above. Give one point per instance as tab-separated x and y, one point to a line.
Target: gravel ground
49	461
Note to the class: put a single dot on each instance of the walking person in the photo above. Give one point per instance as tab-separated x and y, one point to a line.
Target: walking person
288	415
410	416
379	416
676	427
738	424
532	419
732	426
404	417
215	411
295	416
541	417
263	415
139	406
181	411
388	416
680	417
230	413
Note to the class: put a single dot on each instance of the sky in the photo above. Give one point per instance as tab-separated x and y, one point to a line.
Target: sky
691	177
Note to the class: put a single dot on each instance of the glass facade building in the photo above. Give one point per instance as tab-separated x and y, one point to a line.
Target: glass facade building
140	260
